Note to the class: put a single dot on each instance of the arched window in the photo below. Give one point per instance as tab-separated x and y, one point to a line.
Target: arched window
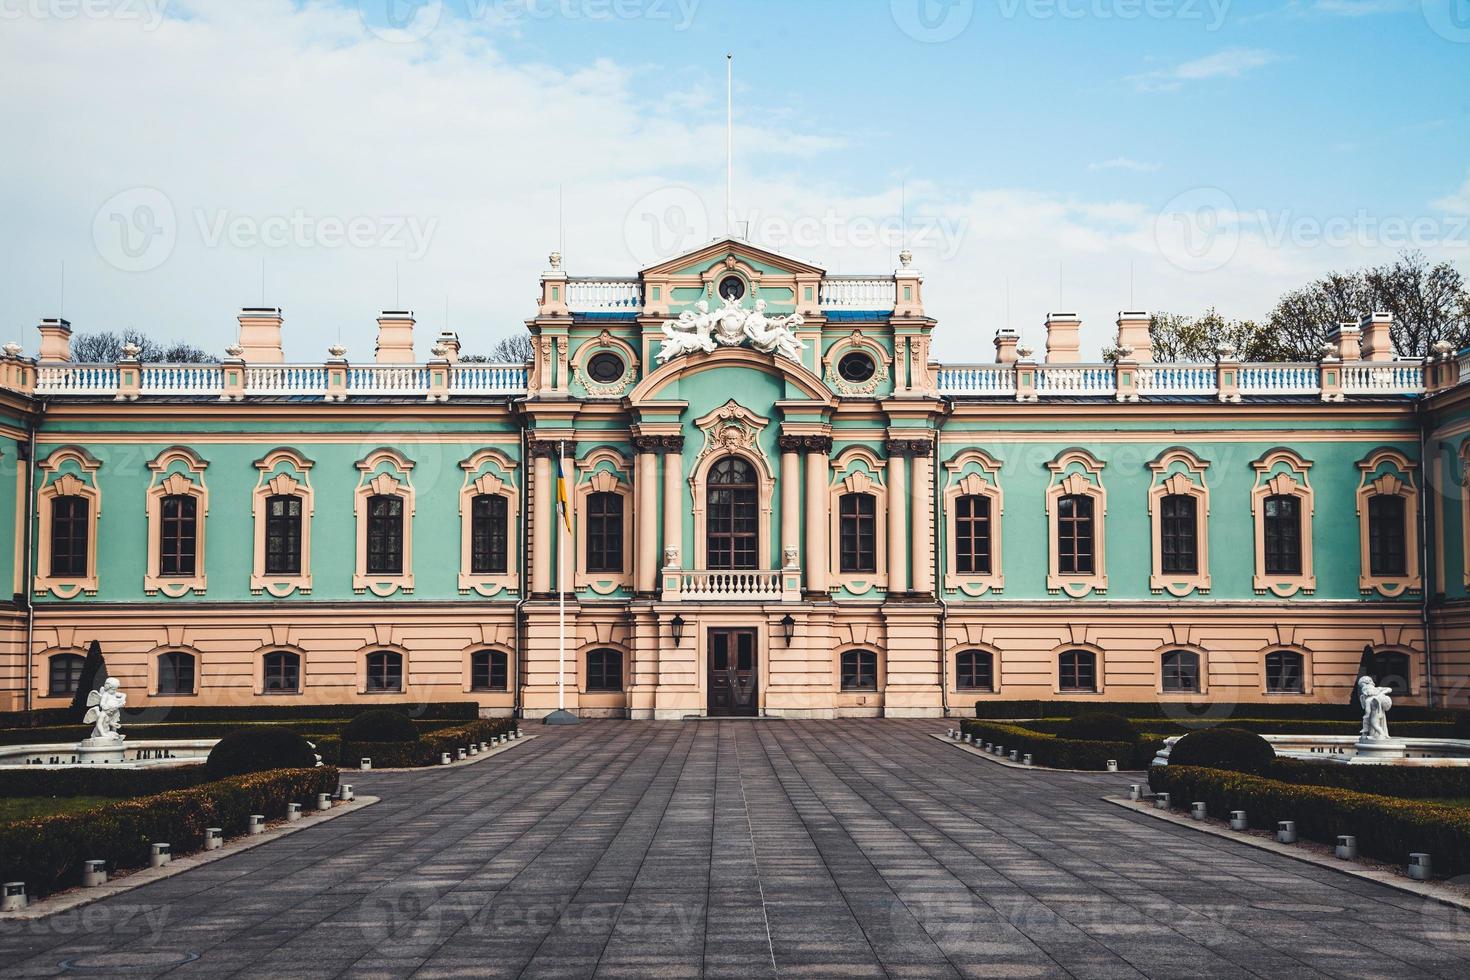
732	515
1077	671
859	670
384	672
178	534
858	530
605	532
972	535
1284	672
1075	535
176	672
1283	535
489	671
385	534
1391	669
974	671
1179	670
283	535
281	673
1178	534
1387	555
64	672
70	525
604	671
489	554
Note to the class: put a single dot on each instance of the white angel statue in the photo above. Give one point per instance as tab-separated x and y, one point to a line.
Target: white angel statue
774	335
104	709
1375	702
691	332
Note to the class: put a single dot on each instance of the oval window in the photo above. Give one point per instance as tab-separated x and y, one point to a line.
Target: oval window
605	368
732	287
856	367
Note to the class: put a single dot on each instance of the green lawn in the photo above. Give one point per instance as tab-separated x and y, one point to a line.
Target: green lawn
24	807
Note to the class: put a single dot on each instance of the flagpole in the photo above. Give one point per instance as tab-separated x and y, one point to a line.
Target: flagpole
561	598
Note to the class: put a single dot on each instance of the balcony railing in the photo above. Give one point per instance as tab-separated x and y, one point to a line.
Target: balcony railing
857	293
710	585
284	380
1077	380
604	295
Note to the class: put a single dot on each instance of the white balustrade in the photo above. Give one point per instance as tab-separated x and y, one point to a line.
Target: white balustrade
1279	379
1075	380
977	379
856	293
76	379
488	379
388	379
604	295
1176	379
181	379
285	379
1371	378
710	585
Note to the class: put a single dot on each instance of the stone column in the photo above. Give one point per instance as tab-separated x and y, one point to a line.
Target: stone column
818	556
922	516
673	497
543	514
790	478
645	568
898	545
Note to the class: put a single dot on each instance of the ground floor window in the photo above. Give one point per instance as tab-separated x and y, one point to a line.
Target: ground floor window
384	672
1077	672
974	671
282	673
604	671
65	674
176	673
860	670
1284	670
1180	672
489	671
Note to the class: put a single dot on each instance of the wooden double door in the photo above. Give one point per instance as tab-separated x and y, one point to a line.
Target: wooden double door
733	675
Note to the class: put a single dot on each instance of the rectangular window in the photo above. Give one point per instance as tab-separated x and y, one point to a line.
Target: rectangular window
1386	546
604	671
488	671
488	539
178	536
1178	533
283	535
972	535
858	527
385	535
1283	535
1077	672
1074	535
605	533
69	531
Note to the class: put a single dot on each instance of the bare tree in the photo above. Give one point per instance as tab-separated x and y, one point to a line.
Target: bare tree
1179	338
106	347
515	349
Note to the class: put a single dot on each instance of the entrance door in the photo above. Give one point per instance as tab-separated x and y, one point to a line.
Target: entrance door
732	673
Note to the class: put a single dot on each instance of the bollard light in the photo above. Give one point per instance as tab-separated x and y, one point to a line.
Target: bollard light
1015	755
484	746
1112	765
1238	820
293	812
1420	868
14	896
1135	792
1347	847
94	873
1161	801
1026	759
1286	831
1000	750
214	838
324	801
345	793
257	823
444	758
464	752
474	748
366	763
158	855
1198	811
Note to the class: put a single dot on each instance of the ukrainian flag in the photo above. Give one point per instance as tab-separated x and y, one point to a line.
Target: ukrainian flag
561	495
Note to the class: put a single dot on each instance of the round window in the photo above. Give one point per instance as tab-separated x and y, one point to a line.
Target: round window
732	287
856	367
605	368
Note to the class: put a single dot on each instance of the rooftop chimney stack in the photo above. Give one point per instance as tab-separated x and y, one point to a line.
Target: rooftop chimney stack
1377	341
260	335
1006	340
55	340
1134	332
1348	340
1063	338
449	340
395	337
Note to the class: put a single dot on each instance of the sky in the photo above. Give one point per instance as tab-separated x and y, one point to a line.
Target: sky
169	161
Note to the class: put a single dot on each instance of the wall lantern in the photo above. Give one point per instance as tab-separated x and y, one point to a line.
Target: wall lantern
676	626
788	626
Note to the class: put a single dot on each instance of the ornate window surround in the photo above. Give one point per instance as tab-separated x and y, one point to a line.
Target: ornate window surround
1386	472
732	430
154	659
1282	472
1306	656
605	341
604	470
1077	472
258	659
362	655
177	471
1099	665
851	697
468	659
995	668
489	472
857	469
383	471
1179	472
1204	671
283	472
981	480
882	364
79	480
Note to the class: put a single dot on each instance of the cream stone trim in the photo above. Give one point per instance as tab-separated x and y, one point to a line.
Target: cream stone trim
846	479
258	659
362	669
1077	472
732	430
1306	656
984	483
383	471
1099	664
1204	670
1387	472
594	477
1282	472
278	479
56	484
468	658
1179	472
168	482
481	477
605	341
857	340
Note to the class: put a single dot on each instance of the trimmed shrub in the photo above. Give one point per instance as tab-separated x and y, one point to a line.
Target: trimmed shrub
1186	711
1231	749
426	751
1064	753
1264	726
1387	828
311	728
1100	726
94	781
259	750
1460	728
94	672
1406	782
382	725
422	711
47	852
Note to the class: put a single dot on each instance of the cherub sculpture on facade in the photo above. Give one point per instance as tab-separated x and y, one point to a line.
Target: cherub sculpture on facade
703	329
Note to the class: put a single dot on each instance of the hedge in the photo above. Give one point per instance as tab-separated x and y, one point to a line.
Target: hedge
1387	828
426	751
440	710
1408	782
1063	753
198	729
95	781
47	852
1200	711
1267	726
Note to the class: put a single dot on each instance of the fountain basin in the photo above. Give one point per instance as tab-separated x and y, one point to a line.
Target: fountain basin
1347	749
94	753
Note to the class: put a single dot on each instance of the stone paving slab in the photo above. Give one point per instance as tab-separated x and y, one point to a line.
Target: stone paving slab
772	849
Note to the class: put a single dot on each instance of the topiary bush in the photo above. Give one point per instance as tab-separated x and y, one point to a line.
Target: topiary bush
1230	749
380	725
259	750
1099	726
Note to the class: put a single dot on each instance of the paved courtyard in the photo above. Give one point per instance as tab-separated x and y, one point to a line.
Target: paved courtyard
747	849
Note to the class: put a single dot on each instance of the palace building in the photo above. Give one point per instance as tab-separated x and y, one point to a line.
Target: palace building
779	504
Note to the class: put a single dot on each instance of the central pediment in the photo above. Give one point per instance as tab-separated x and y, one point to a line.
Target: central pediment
732	252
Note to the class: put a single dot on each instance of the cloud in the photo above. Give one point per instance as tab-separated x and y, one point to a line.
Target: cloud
1363	8
1230	63
1125	163
1457	202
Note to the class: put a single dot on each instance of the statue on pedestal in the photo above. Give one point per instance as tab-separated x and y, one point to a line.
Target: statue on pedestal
104	710
1375	702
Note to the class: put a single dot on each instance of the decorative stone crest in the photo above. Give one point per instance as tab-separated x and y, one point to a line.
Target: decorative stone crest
703	329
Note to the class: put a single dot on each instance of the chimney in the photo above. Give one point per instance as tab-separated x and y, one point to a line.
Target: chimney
1377	344
449	340
1133	331
1063	338
395	337
260	335
55	340
1005	346
1347	338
